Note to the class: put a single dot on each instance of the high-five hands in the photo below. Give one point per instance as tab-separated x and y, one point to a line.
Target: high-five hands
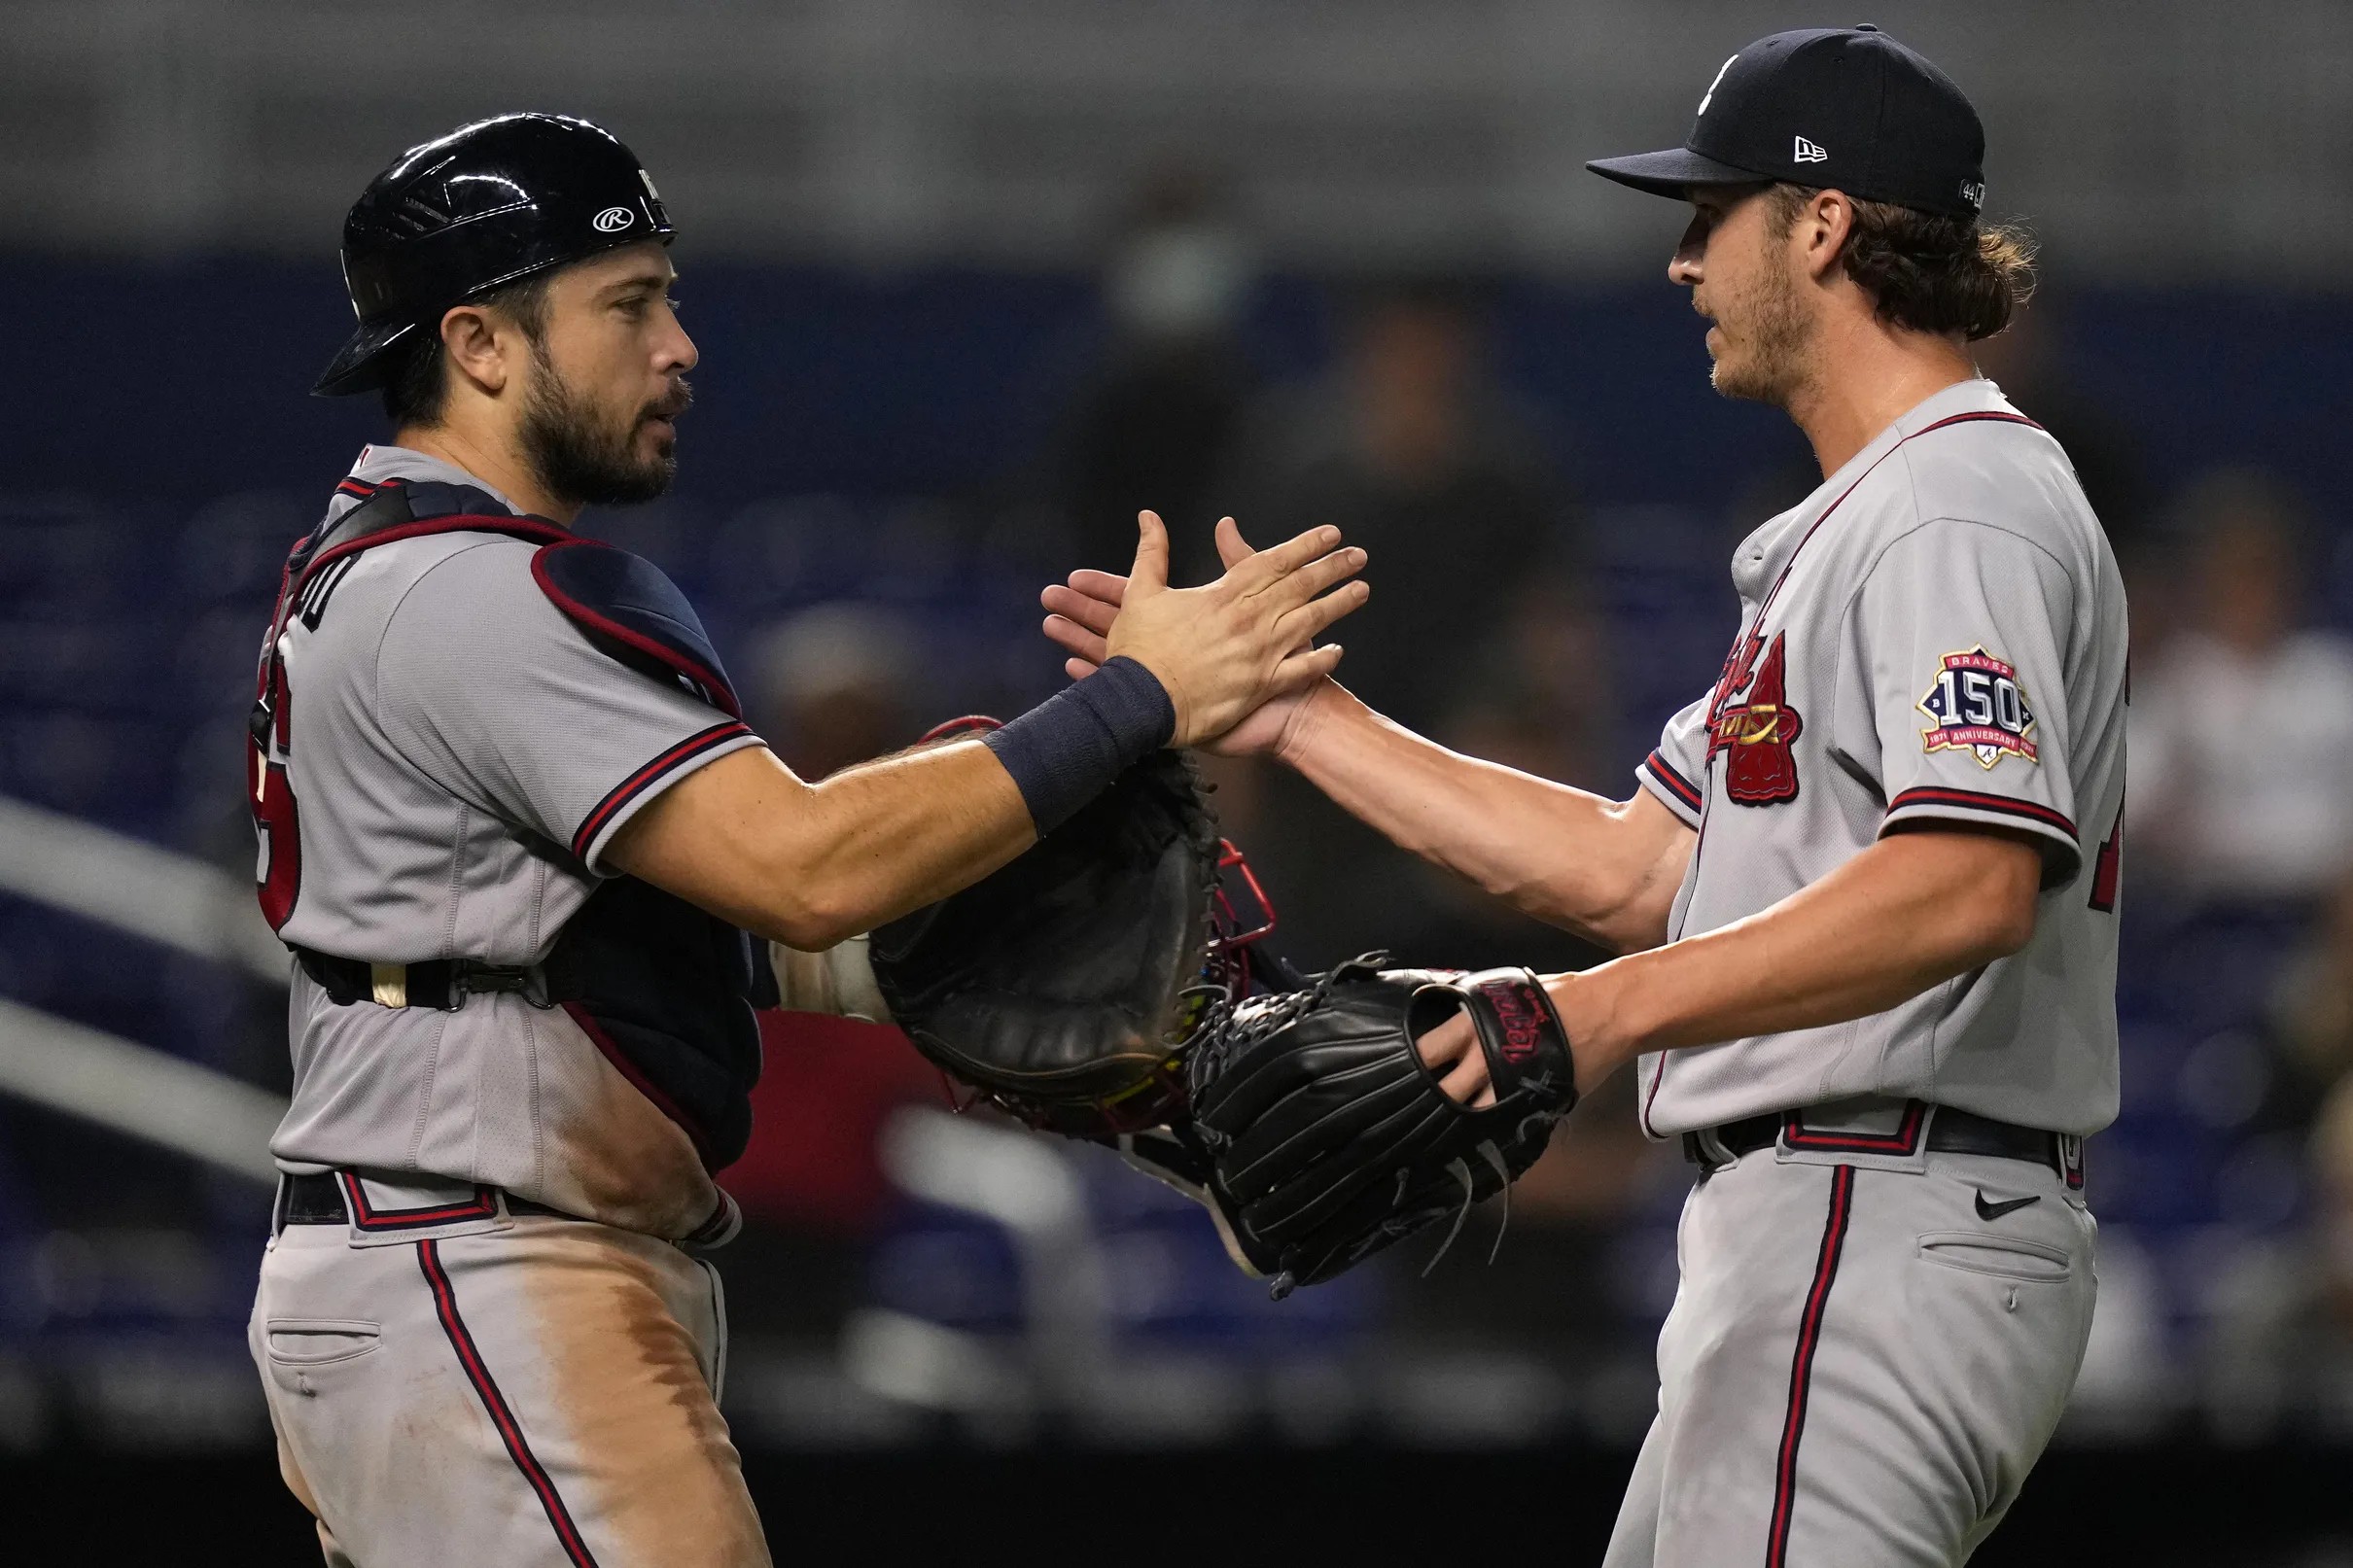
1237	655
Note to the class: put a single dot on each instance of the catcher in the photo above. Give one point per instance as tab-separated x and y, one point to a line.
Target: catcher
514	834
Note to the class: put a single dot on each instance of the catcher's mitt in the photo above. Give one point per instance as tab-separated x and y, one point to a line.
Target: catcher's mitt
1065	984
1328	1138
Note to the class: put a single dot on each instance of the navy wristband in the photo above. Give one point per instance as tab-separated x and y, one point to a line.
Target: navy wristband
1067	751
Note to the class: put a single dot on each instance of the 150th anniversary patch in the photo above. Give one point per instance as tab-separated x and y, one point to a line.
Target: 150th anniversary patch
1979	707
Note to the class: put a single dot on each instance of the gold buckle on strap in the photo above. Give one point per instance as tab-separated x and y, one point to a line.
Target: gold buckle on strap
391	983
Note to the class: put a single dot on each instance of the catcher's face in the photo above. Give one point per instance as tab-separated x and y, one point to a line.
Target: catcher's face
1743	278
609	379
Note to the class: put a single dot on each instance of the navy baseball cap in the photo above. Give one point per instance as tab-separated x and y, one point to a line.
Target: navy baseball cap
1844	107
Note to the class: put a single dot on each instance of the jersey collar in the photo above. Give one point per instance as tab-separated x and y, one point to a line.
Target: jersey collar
377	463
1762	555
1973	397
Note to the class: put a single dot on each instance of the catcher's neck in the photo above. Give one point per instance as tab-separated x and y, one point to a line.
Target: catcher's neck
490	457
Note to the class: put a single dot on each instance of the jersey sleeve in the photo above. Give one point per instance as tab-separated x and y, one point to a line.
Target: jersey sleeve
1677	769
1956	701
486	688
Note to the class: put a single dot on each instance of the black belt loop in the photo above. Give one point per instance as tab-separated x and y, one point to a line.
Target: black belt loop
1708	1150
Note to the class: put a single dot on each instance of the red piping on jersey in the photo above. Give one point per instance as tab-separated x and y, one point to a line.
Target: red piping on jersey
1801	1366
1658	1074
2108	868
1977	800
630	788
482	1206
1673	782
1904	1140
712	681
502	1416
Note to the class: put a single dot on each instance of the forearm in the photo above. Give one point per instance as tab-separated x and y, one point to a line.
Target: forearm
1910	913
887	837
1561	855
811	865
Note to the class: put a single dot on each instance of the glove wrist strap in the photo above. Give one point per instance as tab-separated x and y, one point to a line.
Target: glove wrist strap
1527	1048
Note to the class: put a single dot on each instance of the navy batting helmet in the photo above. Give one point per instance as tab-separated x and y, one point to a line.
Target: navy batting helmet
488	205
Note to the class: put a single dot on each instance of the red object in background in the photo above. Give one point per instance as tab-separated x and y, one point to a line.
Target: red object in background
827	1086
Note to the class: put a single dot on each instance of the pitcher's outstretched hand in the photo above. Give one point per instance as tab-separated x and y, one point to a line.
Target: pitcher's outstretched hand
1263	591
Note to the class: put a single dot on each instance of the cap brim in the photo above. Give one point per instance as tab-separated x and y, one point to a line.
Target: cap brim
1673	172
358	366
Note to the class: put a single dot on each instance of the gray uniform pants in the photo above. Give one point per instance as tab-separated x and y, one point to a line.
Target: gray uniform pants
1859	1369
524	1392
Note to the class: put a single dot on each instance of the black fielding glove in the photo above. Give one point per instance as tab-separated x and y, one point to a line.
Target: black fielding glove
1327	1137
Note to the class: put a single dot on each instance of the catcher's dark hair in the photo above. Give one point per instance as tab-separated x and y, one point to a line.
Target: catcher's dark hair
416	382
1932	272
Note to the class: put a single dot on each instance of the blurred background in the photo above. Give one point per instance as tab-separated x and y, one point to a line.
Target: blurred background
972	280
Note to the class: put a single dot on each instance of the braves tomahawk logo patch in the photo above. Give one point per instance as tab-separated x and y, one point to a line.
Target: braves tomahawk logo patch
1979	705
1752	720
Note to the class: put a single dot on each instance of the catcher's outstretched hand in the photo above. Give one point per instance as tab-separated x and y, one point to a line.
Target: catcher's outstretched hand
1221	649
1085	610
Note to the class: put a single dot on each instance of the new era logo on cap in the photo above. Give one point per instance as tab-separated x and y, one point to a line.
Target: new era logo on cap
1807	153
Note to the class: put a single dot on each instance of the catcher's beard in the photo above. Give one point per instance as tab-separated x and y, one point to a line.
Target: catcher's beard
1776	341
582	455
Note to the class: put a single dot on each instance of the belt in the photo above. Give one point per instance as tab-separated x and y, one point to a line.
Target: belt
441	984
1947	1132
318	1200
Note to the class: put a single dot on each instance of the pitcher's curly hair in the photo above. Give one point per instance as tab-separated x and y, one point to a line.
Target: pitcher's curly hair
1928	271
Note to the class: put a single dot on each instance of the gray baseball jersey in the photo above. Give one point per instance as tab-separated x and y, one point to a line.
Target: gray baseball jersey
461	755
1937	634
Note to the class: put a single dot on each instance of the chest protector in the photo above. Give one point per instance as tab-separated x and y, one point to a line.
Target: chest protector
664	989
